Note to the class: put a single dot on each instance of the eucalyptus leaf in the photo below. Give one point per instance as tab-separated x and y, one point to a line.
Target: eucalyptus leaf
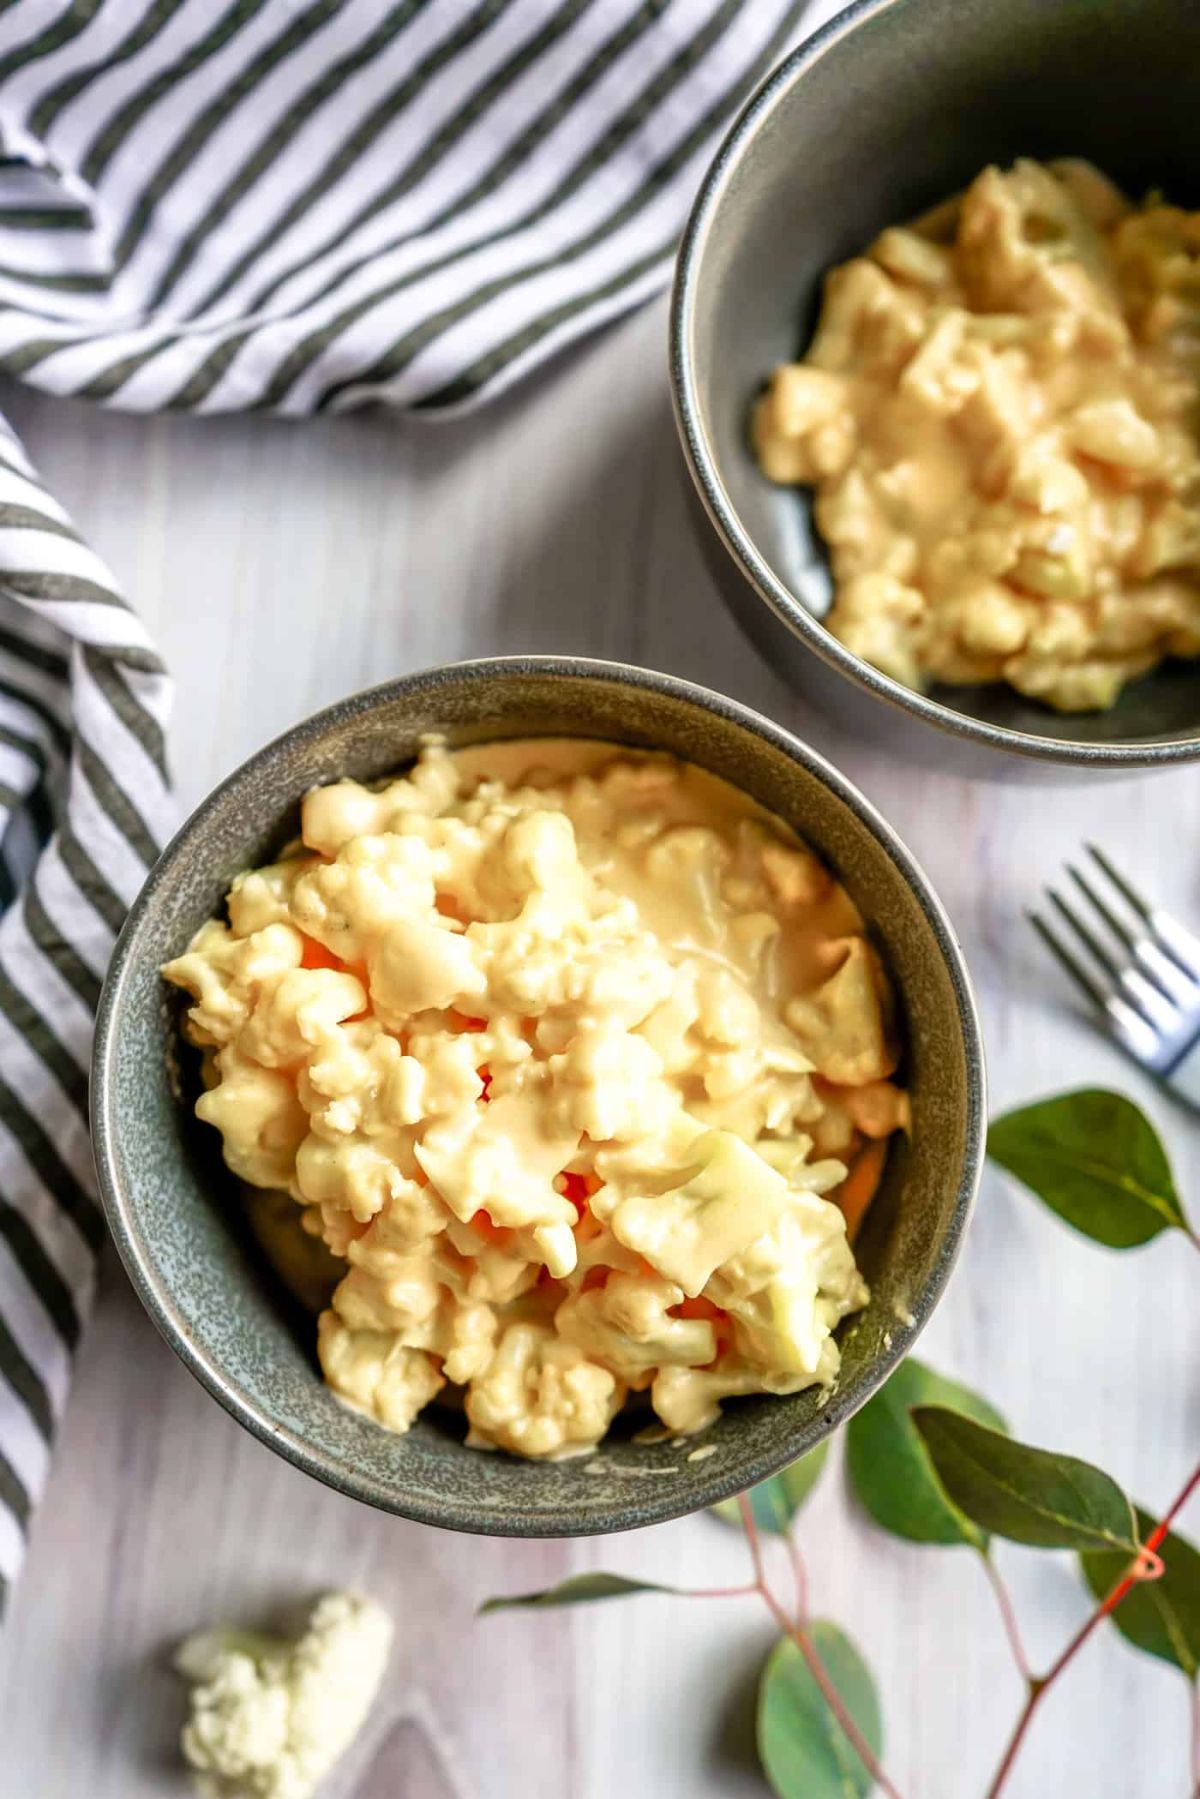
1095	1159
803	1749
1028	1495
889	1465
1160	1616
580	1589
775	1502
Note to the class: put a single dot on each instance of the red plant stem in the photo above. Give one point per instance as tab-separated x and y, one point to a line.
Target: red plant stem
799	1577
1008	1616
797	1630
1145	1565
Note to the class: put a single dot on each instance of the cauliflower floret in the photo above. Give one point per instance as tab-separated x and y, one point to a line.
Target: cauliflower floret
609	1083
270	1717
225	975
668	1029
412	1296
374	1372
503	1160
802	427
689	1399
728	1012
448	1080
295	1011
359	1079
408	1219
841	1025
1025	244
414	967
867	315
1113	431
261	1121
356	1176
496	1265
335	814
377	905
263	896
880	617
540	1396
727	1198
788	1290
627	1324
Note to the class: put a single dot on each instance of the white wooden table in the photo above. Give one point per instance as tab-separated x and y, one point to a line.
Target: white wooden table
281	566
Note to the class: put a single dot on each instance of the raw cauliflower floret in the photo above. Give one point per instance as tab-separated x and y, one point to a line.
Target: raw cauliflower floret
270	1717
540	1396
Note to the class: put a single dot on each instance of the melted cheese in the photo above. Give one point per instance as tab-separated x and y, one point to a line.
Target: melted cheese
552	1046
998	413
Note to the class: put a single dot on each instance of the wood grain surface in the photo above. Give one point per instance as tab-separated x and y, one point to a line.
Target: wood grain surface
283	565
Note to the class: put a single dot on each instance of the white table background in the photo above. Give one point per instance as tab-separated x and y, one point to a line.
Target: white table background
281	566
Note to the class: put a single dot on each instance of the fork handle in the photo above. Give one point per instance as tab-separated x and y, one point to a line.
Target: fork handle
1183	1078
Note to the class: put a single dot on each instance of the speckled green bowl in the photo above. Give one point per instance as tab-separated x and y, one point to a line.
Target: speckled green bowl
174	1211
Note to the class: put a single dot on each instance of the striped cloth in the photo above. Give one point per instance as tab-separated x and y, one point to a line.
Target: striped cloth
262	204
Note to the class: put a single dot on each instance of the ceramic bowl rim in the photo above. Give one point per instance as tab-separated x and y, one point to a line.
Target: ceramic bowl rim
703	466
462	1513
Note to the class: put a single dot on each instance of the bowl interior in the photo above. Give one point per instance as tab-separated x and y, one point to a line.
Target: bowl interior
874	122
175	1211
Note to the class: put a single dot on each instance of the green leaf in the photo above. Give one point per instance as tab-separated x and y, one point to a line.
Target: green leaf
804	1750
775	1502
889	1465
1027	1495
1160	1616
580	1589
1096	1160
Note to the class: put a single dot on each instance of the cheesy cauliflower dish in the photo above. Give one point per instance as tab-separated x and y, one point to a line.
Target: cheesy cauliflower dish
567	1055
999	414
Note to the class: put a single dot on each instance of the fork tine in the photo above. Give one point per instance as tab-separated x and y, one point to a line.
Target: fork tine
1178	946
1128	893
1067	960
1085	935
1116	925
1142	951
1139	968
1163	930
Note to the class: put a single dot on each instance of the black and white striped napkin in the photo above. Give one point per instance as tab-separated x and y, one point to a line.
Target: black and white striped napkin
225	205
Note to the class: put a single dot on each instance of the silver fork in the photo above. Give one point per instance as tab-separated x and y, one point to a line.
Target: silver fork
1137	965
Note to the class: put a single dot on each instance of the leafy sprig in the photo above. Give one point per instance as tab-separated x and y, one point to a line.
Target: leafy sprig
931	1461
1096	1160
